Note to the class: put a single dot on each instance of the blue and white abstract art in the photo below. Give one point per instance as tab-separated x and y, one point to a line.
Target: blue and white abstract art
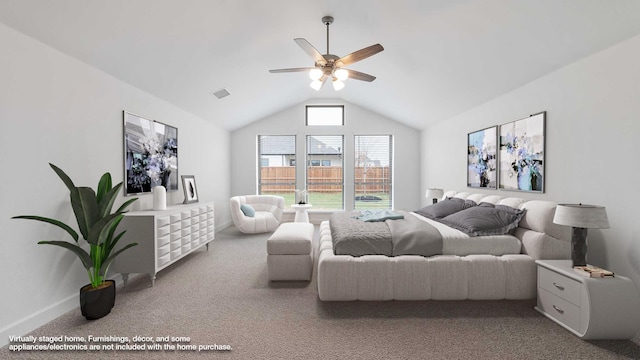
482	158
522	154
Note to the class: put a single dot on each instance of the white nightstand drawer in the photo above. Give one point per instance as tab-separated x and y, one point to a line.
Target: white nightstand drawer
557	284
562	310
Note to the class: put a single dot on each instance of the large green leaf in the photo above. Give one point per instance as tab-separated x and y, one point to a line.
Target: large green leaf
105	203
85	207
104	185
100	230
87	262
107	262
112	241
55	222
126	204
65	179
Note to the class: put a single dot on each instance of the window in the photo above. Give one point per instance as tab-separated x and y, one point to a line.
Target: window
325	185
276	171
325	115
373	172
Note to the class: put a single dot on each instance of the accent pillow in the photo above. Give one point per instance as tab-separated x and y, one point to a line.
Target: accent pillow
247	210
485	219
445	208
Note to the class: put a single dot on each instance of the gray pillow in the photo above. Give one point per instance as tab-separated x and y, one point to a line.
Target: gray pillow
485	219
445	208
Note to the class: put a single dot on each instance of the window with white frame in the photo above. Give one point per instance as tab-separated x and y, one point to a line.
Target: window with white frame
277	166
325	172
373	172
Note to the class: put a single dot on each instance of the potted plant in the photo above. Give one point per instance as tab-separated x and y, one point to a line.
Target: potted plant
98	225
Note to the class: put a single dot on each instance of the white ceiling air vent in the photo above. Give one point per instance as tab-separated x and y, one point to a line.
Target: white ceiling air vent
221	93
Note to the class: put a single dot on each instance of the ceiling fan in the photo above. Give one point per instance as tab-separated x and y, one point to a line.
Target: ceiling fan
331	66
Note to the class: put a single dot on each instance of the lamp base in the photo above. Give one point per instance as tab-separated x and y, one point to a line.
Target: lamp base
435	201
579	246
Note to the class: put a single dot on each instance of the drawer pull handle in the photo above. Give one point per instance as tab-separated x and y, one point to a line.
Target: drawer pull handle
558	309
560	287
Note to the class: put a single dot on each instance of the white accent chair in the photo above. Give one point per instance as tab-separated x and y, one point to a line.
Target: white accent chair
268	213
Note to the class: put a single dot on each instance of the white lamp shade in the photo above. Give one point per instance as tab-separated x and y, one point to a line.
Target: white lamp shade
341	74
434	194
316	85
315	74
581	216
338	84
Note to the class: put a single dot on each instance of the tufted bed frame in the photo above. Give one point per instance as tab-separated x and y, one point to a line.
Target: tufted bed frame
447	277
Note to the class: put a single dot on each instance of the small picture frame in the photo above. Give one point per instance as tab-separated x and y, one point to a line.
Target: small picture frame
189	188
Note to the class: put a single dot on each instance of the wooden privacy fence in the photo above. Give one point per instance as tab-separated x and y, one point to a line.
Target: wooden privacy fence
281	179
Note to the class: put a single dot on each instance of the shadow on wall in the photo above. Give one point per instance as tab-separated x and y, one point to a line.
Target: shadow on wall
634	252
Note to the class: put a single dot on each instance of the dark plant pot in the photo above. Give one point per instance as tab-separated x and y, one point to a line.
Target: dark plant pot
97	302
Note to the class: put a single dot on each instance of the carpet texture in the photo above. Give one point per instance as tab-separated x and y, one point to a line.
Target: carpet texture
222	296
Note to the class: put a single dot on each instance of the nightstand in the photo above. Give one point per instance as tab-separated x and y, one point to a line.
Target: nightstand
591	308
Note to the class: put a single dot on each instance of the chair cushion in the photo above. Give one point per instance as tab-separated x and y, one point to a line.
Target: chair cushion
247	210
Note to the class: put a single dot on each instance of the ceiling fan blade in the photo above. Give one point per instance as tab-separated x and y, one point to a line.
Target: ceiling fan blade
309	49
359	55
357	75
291	70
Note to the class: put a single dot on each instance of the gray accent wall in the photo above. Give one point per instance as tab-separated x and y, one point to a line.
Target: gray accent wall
54	108
592	146
358	121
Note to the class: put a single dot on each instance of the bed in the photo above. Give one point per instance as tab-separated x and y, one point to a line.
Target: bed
462	266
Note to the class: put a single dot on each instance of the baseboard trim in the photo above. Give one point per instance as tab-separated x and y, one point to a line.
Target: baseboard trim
42	317
37	319
224	225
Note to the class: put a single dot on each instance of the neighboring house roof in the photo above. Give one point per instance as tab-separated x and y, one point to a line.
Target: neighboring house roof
317	147
277	145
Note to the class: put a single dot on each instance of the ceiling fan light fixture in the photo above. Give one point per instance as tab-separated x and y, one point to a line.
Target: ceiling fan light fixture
315	74
316	85
341	74
338	84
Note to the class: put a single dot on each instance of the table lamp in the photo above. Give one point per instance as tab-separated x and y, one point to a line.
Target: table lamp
580	217
434	194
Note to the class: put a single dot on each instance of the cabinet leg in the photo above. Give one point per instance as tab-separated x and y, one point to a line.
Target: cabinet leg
207	246
125	278
153	279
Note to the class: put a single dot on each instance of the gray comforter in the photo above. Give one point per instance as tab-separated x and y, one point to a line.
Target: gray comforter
408	236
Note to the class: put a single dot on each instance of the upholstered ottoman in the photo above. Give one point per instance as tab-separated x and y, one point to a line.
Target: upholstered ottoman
289	252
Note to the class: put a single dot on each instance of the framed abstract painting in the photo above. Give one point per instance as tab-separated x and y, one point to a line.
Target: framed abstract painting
522	154
150	155
482	158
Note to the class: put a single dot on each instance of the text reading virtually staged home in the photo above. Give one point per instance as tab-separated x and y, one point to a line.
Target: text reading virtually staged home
320	179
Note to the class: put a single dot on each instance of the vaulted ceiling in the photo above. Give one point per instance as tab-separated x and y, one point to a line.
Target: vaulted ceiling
441	57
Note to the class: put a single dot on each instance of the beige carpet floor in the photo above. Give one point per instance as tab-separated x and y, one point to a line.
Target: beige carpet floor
222	297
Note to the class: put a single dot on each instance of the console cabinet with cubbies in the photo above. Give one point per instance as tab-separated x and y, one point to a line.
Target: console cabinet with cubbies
163	237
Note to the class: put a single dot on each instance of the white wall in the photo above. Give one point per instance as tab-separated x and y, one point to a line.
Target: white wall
358	121
56	109
592	147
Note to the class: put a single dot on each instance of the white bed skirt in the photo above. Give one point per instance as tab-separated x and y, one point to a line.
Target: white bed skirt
442	277
447	277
